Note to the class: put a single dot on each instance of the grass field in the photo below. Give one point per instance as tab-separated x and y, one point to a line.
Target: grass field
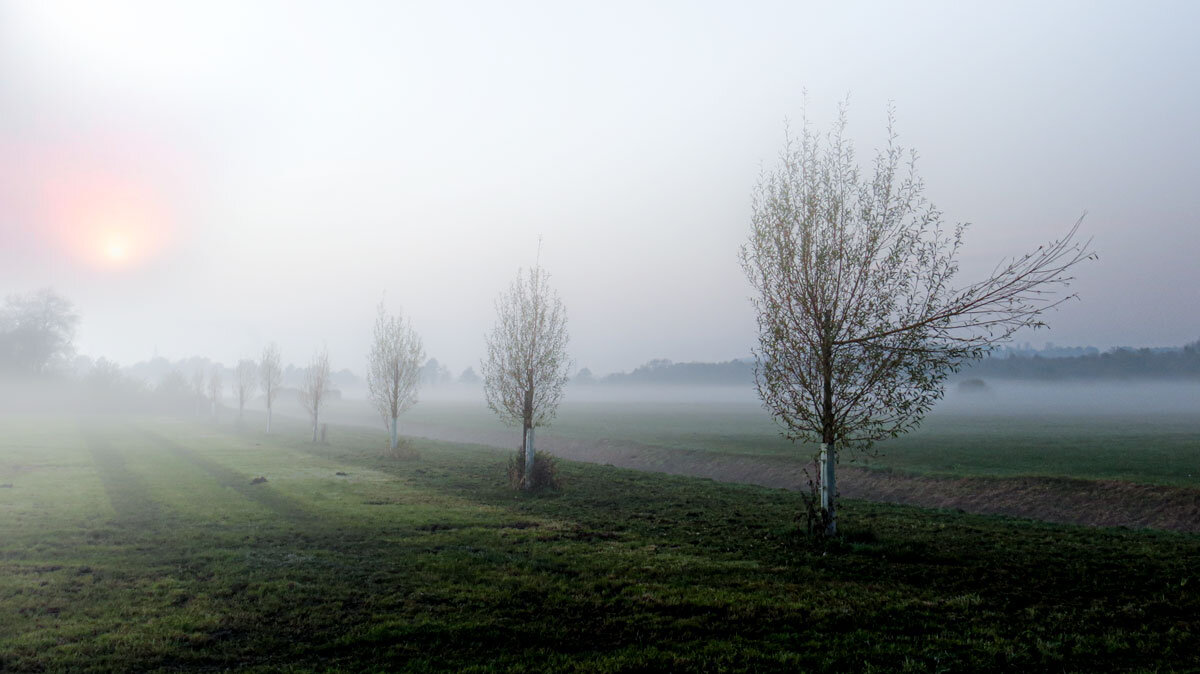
1158	448
143	544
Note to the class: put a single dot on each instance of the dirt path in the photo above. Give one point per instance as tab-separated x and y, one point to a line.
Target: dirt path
1090	502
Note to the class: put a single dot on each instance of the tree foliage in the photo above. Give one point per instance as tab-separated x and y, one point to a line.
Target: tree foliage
36	332
527	366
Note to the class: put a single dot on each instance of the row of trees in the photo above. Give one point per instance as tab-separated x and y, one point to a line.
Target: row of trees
859	318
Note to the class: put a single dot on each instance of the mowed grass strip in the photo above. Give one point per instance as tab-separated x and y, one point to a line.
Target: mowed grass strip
433	564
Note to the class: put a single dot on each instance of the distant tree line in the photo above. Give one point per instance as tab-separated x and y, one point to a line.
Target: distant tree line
1117	363
664	372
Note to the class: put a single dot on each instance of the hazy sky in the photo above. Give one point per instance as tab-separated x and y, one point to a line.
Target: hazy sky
201	178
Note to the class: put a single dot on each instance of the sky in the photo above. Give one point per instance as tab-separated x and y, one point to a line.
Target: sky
202	178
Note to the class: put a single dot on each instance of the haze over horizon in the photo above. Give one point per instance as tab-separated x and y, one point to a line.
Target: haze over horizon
203	179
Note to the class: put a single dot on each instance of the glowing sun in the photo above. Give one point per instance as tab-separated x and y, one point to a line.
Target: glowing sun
109	223
116	250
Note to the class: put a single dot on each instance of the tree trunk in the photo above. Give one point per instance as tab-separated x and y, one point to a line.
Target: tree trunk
395	422
268	419
314	429
829	487
529	458
528	440
828	435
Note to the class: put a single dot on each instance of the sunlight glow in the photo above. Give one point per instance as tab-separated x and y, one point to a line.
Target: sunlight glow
116	250
108	223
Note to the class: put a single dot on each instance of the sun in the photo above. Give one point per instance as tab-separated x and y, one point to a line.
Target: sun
108	222
116	250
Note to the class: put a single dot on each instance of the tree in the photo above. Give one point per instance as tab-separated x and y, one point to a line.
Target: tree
36	332
198	388
173	391
858	321
527	364
434	374
105	376
469	377
316	386
270	372
244	383
394	368
214	388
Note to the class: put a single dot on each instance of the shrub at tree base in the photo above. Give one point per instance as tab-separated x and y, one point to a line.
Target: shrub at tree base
545	470
403	450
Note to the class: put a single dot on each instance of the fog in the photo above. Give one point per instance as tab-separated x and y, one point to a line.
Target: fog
999	397
200	179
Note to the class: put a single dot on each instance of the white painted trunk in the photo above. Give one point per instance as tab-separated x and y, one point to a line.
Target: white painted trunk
829	486
395	423
268	420
315	424
529	458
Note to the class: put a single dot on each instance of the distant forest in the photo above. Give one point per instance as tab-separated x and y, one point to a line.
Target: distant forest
1049	364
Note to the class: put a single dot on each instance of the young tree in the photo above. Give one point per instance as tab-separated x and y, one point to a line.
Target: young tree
270	372
316	385
858	321
244	384
198	388
527	364
394	368
214	388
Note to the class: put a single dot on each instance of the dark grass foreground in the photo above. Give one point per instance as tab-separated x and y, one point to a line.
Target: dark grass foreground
145	546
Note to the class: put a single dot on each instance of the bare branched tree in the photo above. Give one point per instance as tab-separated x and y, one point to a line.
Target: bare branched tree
316	386
198	388
394	368
527	364
245	383
859	320
214	388
270	372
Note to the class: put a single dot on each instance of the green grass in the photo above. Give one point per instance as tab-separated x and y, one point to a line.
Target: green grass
143	545
1149	448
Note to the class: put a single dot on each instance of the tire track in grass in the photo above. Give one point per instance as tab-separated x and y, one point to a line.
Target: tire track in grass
283	506
127	492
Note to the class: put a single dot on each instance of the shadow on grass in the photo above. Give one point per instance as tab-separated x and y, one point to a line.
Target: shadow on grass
128	493
283	506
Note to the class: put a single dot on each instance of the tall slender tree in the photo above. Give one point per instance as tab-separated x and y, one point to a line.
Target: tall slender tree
198	389
527	365
214	388
394	368
316	387
859	317
270	372
244	384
